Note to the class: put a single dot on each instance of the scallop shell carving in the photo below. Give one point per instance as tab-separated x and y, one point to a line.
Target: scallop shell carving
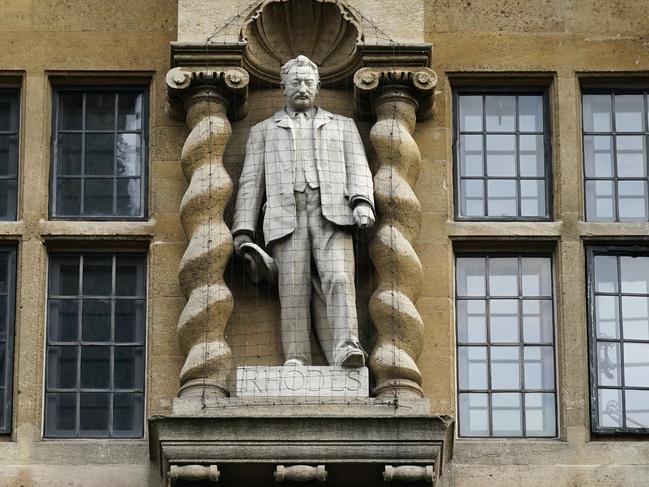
326	31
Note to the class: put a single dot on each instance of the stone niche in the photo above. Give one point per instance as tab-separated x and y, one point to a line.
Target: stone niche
239	418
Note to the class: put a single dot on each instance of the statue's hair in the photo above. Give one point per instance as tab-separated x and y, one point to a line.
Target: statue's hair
298	61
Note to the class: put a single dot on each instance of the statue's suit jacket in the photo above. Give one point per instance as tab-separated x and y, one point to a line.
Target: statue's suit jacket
268	170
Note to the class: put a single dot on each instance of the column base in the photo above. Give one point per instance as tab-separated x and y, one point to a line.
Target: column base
398	389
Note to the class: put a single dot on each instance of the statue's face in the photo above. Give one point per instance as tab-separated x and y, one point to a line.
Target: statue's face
301	85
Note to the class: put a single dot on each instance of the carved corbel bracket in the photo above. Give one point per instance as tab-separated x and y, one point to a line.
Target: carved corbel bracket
229	84
416	83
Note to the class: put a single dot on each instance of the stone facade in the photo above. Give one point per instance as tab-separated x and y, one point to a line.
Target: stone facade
555	44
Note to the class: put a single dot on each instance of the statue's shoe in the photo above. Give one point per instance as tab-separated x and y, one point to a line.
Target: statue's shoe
352	357
294	362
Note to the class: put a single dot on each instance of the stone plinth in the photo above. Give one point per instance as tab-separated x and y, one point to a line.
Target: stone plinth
296	381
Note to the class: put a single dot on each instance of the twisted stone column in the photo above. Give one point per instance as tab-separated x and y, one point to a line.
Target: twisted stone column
208	99
396	98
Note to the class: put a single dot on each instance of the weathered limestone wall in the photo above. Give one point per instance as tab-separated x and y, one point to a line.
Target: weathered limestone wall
79	39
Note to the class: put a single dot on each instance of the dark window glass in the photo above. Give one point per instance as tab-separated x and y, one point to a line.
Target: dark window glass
502	156
99	167
9	123
7	307
505	346
615	156
95	346
619	332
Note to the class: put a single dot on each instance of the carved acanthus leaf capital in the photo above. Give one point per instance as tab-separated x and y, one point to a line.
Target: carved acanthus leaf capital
416	82
228	84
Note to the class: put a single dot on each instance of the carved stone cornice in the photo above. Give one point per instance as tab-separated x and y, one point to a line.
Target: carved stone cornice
417	83
229	84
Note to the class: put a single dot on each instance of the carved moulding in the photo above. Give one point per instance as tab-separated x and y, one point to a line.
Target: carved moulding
207	99
395	98
326	31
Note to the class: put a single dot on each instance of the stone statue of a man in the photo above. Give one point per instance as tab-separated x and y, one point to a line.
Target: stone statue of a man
311	167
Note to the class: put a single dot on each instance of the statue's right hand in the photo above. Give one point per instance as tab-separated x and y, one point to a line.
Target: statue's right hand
239	240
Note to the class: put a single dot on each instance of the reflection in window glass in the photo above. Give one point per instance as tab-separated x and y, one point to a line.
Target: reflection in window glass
9	123
615	156
505	347
99	158
95	346
501	156
7	306
619	324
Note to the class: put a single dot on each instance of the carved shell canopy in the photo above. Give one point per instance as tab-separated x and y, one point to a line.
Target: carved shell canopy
325	31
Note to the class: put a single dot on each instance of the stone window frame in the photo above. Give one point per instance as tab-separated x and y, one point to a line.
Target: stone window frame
62	84
618	250
6	365
513	88
615	87
519	254
79	344
16	95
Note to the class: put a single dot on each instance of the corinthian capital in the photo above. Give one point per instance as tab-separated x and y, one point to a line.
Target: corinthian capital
415	83
229	85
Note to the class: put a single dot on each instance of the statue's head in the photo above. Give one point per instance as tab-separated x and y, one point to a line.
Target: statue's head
300	83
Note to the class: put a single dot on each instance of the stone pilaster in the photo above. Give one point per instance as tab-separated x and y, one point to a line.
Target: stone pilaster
207	99
396	97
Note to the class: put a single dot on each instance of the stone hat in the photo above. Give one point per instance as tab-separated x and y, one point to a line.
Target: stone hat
259	265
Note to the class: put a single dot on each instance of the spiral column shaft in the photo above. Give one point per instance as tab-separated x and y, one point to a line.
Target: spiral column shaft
395	98
201	326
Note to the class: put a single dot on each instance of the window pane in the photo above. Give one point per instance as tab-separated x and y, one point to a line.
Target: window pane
500	113
128	155
536	275
130	111
636	364
637	409
503	321
539	367
3	320
93	414
530	113
97	275
471	276
605	274
62	367
598	154
100	111
129	368
98	197
99	154
608	363
69	156
531	156
501	155
502	197
471	113
610	408
128	197
630	151
540	414
128	415
63	320
9	112
597	113
506	414
632	197
472	193
635	316
61	413
472	367
70	111
537	321
505	368
129	321
471	155
600	201
634	274
129	276
64	276
96	320
474	415
629	111
607	319
503	276
471	321
95	367
68	196
8	199
8	155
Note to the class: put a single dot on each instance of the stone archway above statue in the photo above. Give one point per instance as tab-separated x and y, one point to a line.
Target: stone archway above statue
326	31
